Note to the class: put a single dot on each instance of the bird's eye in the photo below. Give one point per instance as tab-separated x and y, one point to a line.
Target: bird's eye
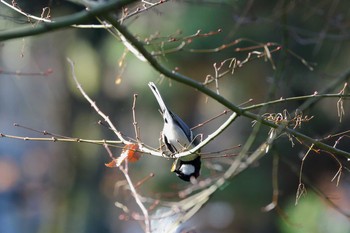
165	120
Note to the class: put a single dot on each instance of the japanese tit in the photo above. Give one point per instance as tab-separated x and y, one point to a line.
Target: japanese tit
178	137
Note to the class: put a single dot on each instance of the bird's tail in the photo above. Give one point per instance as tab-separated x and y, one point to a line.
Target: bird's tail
160	101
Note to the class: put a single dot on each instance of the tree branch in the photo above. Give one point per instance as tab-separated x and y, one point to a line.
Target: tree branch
65	21
202	88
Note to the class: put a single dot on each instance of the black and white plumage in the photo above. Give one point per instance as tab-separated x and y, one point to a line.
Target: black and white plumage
178	137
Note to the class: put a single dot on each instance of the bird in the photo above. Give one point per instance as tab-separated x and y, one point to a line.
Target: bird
178	137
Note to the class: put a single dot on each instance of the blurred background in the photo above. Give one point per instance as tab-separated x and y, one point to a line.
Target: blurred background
65	187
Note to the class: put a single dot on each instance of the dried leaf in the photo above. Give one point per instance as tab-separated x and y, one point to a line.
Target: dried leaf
130	152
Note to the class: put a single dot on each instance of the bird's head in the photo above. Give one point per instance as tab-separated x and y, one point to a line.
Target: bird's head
187	169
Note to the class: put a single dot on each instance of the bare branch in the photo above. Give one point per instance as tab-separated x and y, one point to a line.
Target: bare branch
94	106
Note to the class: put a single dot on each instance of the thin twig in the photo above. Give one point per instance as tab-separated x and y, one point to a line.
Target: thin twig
94	106
138	200
210	137
134	193
136	128
301	187
211	119
275	188
29	16
225	102
65	21
65	139
296	98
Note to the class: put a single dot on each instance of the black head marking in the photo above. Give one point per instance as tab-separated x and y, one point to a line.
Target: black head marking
187	169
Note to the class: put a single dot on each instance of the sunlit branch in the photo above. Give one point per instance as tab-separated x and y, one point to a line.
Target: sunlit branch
64	21
329	88
136	128
29	16
210	93
111	143
134	192
194	202
296	98
93	104
210	137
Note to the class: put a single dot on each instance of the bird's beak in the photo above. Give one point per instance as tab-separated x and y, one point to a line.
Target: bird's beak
175	165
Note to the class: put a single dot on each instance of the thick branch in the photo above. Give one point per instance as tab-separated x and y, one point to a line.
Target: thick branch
199	86
65	21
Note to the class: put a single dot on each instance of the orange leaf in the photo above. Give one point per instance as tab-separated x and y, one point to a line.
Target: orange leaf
133	154
130	152
111	164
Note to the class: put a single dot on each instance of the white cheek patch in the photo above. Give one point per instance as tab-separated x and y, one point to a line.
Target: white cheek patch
187	169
